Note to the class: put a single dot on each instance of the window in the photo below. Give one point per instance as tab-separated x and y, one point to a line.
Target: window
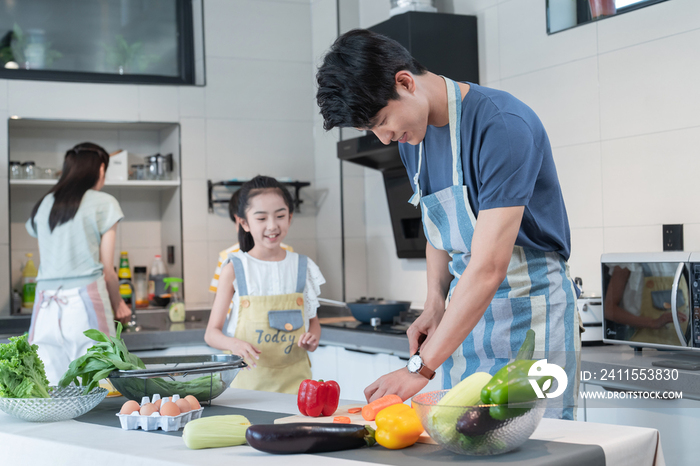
128	41
565	14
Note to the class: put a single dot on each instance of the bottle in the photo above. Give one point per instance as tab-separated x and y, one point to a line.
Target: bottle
156	286
176	310
29	274
141	287
124	273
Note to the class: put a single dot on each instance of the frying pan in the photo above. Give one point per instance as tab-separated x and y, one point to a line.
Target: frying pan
364	309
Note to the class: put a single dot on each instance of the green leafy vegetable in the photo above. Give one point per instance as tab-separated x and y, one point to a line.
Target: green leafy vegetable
22	373
107	355
110	354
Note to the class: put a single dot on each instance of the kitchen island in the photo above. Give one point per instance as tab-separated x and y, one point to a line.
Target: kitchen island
78	442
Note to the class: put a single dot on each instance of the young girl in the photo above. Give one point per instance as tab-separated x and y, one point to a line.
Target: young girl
77	287
273	321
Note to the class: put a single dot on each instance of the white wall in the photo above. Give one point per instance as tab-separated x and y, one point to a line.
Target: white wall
619	99
254	116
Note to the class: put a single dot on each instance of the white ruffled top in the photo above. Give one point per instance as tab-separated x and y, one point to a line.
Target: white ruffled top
266	278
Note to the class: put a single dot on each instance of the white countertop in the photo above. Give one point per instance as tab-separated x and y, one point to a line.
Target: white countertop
75	443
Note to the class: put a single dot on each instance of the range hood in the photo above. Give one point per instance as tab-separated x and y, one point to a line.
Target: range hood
369	151
406	223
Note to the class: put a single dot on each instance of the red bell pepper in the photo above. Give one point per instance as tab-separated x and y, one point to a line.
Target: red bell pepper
318	398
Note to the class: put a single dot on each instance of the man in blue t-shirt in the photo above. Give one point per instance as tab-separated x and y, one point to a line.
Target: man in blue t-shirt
498	234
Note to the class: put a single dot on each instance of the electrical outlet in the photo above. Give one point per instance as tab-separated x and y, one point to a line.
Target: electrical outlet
673	237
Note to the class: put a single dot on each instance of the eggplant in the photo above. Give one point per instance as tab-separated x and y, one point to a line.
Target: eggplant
302	437
477	421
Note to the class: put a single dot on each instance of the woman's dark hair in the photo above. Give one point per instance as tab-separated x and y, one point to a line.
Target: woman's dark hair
81	171
356	79
249	190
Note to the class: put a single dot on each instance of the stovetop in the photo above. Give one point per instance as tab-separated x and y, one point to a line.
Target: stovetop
359	326
398	327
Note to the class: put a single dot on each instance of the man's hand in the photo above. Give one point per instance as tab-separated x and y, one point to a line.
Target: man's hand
400	382
422	328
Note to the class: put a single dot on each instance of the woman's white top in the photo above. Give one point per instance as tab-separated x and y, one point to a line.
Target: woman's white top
266	278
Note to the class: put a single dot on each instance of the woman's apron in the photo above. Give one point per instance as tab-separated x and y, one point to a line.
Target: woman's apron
273	324
656	301
537	293
59	319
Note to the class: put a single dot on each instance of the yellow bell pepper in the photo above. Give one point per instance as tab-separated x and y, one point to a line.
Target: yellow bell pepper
398	426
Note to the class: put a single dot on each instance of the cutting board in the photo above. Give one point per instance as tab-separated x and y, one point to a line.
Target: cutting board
343	411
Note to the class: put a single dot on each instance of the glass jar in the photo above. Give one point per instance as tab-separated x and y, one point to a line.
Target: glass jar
152	167
140	172
30	171
48	174
15	170
140	287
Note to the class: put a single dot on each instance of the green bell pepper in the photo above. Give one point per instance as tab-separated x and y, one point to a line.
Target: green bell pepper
517	389
504	375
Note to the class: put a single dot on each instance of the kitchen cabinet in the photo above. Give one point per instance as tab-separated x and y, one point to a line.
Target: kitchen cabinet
675	420
152	209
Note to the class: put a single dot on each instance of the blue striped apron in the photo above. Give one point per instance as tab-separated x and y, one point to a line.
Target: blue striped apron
537	293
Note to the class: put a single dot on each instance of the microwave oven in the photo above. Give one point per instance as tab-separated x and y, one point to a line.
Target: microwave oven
652	299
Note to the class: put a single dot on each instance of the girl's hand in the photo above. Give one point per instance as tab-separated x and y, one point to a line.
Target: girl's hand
308	341
248	352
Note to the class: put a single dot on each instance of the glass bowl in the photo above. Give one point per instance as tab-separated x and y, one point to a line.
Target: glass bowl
478	430
203	376
65	403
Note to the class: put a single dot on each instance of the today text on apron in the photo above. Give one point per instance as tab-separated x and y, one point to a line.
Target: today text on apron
537	292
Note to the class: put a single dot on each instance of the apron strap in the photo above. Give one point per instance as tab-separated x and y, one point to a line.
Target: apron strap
454	100
240	281
454	107
301	274
240	274
415	199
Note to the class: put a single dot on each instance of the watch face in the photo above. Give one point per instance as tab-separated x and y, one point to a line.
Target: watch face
414	363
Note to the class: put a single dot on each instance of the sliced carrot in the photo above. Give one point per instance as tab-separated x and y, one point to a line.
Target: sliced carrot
355	410
341	419
370	411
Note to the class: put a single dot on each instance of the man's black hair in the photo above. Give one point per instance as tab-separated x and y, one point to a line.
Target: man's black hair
356	79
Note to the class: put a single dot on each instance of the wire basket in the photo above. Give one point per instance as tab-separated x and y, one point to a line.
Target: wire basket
65	403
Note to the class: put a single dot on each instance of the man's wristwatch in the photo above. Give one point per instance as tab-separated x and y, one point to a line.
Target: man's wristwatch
415	366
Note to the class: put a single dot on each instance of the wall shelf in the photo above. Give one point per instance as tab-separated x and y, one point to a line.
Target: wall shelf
297	185
116	184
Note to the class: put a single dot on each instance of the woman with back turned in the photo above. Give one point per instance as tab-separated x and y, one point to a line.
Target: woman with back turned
77	287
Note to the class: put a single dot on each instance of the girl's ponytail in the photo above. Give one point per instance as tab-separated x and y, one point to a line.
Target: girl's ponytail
251	189
245	239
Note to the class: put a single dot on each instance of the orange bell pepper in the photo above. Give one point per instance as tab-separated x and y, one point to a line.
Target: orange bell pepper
398	426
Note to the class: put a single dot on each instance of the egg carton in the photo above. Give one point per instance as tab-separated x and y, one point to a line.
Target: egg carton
155	421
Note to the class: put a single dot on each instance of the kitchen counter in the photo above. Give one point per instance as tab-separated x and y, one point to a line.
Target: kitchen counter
76	443
155	331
